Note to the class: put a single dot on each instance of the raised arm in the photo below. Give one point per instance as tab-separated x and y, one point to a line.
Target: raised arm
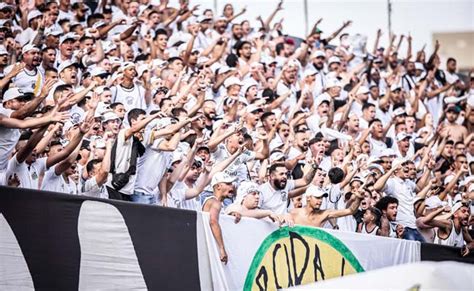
347	211
337	32
101	176
25	151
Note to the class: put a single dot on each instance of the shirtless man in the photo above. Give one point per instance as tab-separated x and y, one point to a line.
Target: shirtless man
457	132
312	215
223	188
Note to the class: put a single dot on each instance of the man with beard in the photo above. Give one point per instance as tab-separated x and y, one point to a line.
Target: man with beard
408	80
276	193
454	230
396	183
128	92
297	154
318	57
30	79
313	215
288	83
209	111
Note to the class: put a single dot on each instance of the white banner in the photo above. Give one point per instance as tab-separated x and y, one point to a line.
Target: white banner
263	256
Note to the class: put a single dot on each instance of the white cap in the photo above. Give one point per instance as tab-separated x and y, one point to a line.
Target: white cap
402	135
247	84
69	35
252	107
456	207
310	72
98	24
33	14
3	51
109	116
224	69
454	99
419	66
127	65
376	166
275	156
315	192
321	98
97	71
53	31
399	111
222	177
333	82
66	64
334	59
232	81
362	90
395	87
433	202
29	47
399	161
245	188
202	18
12	93
100	143
317	53
141	69
109	47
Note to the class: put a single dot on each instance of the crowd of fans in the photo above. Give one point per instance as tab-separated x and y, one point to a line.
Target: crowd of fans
181	107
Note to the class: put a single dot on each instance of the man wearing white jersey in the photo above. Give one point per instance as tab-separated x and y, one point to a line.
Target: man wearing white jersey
396	183
30	79
129	93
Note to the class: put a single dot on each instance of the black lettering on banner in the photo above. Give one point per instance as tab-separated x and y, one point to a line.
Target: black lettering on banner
317	264
290	280
262	273
299	277
343	264
275	250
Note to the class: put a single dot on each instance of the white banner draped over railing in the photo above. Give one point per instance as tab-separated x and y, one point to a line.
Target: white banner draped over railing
263	256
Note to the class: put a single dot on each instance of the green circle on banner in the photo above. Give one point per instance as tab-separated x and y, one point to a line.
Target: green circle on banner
291	256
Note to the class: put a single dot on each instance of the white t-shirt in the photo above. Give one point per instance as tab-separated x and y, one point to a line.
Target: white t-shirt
28	81
177	198
57	183
336	201
130	98
376	147
275	200
8	139
404	191
122	162
151	167
28	175
239	167
91	189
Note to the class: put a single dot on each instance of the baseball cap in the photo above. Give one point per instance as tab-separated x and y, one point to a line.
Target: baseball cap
376	166
232	81
222	177
309	72
334	59
203	18
98	71
29	47
321	98
276	156
66	64
419	66
402	135
12	93
317	54
33	14
247	84
453	108
252	108
53	32
3	51
127	65
333	82
109	116
433	202
245	188
456	207
69	35
399	111
395	87
315	192
362	90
